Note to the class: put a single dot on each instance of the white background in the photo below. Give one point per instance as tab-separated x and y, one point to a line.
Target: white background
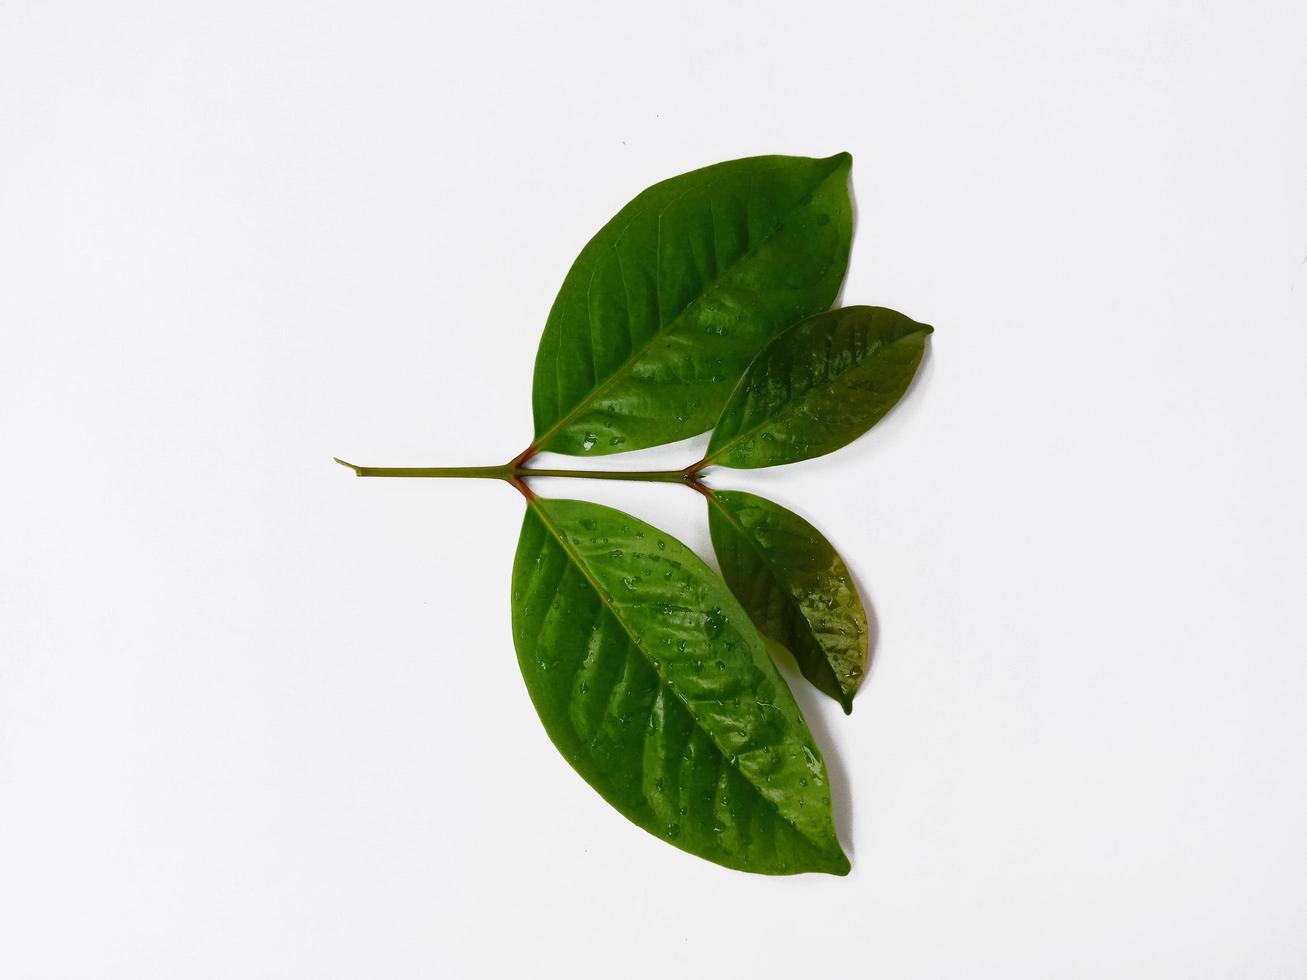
261	719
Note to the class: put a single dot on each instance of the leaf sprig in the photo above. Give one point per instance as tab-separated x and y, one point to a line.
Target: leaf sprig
702	304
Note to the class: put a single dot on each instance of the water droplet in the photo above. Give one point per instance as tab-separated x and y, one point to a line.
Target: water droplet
814	764
589	441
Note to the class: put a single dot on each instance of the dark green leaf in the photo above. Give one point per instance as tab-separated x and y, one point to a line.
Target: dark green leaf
656	687
795	586
818	386
669	302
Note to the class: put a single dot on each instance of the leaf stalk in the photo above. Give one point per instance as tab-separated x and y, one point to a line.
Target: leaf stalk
515	473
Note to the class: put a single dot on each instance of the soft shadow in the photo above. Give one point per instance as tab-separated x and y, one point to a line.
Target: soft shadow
853	214
873	628
814	706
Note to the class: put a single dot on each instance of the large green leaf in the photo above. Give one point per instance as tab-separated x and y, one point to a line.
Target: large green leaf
656	687
818	386
796	587
667	304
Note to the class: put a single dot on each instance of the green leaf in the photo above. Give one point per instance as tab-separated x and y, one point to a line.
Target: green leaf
796	587
817	387
656	687
670	301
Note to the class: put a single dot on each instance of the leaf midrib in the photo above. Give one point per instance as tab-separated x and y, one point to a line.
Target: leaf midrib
792	407
624	368
577	561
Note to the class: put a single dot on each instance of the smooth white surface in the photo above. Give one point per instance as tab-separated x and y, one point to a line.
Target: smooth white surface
261	719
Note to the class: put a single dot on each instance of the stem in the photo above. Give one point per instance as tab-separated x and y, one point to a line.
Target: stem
520	459
641	476
515	474
448	472
692	481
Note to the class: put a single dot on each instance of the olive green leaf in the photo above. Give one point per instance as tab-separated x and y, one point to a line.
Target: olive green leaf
670	301
656	687
796	587
818	386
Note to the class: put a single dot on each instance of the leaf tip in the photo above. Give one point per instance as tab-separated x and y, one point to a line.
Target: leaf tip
843	160
357	469
839	865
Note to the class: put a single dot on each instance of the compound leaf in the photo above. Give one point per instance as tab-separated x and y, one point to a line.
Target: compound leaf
656	687
796	587
670	301
818	386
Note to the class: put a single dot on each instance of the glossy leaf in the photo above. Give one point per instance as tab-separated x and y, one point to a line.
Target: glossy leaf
670	301
818	386
656	687
796	587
